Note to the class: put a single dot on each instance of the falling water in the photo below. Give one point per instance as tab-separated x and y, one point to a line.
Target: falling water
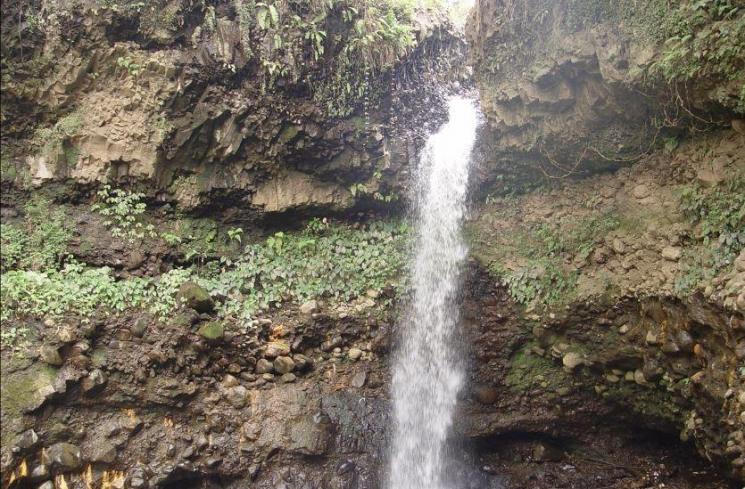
427	373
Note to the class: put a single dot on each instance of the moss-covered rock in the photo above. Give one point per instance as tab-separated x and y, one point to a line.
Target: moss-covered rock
212	331
192	295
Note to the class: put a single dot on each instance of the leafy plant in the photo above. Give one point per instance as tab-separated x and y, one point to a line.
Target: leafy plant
719	216
542	280
40	242
234	234
128	64
124	211
267	15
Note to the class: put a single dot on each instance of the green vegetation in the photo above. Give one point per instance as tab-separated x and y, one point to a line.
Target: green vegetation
335	262
124	211
529	371
719	216
132	68
40	242
338	263
54	142
532	264
292	40
706	39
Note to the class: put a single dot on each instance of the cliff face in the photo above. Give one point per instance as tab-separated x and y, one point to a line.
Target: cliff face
273	109
578	86
628	256
200	288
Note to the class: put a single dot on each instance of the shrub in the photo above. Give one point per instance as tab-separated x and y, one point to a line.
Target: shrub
124	211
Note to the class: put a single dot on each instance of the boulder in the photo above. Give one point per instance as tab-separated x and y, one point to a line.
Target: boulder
283	365
195	297
63	456
50	355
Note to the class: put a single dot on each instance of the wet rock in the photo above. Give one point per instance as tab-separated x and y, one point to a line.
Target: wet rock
264	366
212	331
63	456
47	485
50	355
485	394
94	382
309	307
195	297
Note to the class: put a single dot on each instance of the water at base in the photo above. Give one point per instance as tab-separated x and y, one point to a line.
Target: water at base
427	373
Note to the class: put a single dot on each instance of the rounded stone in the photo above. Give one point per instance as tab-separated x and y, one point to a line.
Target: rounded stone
283	365
354	354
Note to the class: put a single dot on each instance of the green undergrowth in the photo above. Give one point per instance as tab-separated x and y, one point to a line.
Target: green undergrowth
333	262
718	217
695	39
39	241
534	262
705	39
691	41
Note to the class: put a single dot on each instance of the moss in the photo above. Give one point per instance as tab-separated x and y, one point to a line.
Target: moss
644	401
529	371
288	134
532	261
213	331
18	391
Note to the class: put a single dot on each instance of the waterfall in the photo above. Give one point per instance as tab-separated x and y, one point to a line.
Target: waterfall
427	372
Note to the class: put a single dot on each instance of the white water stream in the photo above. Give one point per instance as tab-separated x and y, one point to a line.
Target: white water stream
428	373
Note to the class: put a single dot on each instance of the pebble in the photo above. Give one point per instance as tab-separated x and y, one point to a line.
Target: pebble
358	379
354	354
572	360
288	378
276	349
